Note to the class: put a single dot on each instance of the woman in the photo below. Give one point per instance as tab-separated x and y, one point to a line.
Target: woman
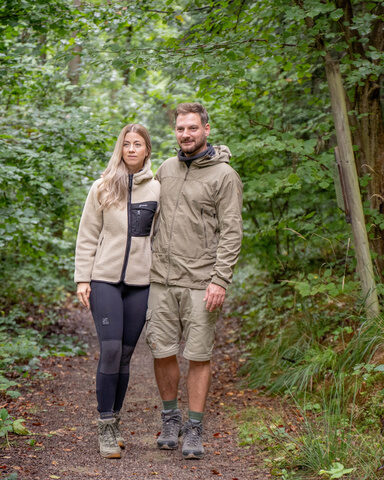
113	256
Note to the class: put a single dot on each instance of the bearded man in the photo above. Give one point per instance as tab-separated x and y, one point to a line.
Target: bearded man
197	244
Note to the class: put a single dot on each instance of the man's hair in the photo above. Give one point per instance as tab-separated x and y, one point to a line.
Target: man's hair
195	107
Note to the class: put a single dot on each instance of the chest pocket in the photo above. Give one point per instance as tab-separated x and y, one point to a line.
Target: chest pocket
141	218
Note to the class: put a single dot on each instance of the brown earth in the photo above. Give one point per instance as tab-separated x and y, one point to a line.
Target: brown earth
60	411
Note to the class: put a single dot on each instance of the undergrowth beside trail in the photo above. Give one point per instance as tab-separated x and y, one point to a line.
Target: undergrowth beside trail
307	339
28	335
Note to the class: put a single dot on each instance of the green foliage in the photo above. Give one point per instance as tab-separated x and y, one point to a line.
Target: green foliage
259	69
337	470
299	445
22	346
5	423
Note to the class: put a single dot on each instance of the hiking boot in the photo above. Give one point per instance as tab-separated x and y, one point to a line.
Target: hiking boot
171	431
116	427
107	440
192	442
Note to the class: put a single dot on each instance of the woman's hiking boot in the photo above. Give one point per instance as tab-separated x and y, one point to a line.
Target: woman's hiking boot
171	431
116	426
108	445
193	442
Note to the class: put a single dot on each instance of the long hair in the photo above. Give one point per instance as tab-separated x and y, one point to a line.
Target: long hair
114	185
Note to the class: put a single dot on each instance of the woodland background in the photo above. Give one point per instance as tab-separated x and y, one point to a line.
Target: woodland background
74	72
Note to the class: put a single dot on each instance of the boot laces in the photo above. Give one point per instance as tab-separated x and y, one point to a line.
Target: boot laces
193	434
108	435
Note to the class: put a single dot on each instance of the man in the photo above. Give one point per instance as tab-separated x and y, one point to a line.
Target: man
195	248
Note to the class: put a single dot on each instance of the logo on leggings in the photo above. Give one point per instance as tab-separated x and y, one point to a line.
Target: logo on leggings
105	321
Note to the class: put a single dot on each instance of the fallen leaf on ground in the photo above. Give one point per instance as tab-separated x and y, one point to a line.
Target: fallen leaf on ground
19	428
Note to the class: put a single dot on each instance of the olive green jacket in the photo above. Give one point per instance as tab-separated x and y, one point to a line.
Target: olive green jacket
114	244
199	228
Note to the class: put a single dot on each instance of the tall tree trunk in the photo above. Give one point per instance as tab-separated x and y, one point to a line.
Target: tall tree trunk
352	190
73	72
127	70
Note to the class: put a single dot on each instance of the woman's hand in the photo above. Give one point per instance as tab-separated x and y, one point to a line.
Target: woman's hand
83	292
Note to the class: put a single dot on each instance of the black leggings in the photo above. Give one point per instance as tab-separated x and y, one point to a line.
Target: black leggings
119	314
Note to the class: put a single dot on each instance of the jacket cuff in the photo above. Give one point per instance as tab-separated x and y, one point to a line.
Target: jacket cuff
219	281
78	279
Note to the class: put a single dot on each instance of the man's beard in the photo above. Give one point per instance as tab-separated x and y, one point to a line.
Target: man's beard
191	149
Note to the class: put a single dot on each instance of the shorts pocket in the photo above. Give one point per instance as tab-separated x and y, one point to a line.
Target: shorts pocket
148	333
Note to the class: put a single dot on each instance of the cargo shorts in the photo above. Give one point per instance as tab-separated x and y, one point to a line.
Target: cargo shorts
175	313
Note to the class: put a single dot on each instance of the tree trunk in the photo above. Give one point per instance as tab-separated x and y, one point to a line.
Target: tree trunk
352	190
73	72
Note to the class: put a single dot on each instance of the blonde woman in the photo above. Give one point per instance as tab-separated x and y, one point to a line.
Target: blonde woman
113	257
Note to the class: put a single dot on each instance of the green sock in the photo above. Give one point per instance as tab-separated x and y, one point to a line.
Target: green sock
170	404
196	416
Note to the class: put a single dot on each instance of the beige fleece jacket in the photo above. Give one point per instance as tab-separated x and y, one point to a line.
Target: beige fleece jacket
114	244
199	229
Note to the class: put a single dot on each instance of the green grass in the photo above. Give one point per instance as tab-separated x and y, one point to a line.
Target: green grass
309	341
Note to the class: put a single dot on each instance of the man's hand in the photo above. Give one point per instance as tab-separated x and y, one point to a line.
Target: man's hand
83	292
215	296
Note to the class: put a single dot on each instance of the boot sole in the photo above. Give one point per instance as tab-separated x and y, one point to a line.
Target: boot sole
192	456
165	446
110	455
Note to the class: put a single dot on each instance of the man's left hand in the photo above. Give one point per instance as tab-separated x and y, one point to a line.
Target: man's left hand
214	296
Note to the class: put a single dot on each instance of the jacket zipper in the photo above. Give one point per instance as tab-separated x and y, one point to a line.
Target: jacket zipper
129	232
172	225
204	228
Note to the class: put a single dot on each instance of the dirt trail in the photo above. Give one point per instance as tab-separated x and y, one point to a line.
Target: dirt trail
61	412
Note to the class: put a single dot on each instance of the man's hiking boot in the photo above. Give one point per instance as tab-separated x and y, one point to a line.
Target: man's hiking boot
192	442
107	440
116	427
171	431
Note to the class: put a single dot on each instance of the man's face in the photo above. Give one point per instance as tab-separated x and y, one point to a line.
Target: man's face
191	134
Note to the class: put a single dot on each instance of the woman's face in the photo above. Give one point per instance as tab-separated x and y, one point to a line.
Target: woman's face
134	151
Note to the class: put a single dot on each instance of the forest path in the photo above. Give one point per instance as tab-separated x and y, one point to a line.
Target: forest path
60	410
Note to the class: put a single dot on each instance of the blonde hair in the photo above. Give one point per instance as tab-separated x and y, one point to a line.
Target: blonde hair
114	185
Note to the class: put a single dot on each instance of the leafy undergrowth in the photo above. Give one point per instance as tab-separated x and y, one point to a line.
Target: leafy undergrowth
26	337
301	446
308	340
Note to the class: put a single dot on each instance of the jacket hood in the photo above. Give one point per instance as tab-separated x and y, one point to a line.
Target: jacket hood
144	174
222	155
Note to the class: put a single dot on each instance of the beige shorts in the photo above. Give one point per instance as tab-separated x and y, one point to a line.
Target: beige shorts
175	313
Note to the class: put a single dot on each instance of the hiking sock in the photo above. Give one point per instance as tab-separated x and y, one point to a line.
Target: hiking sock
170	404
104	415
195	416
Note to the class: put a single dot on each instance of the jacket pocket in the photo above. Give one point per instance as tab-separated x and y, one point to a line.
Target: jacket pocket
142	217
99	248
